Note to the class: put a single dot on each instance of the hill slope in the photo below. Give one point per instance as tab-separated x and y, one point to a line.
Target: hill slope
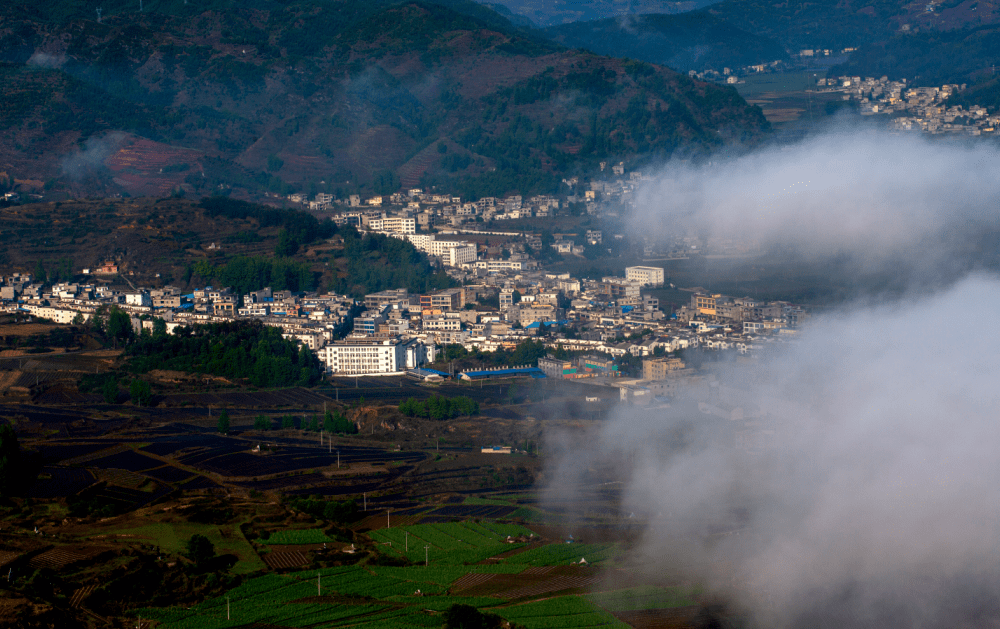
838	24
568	11
328	95
689	41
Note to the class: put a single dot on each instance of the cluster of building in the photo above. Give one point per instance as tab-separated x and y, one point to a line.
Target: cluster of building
913	108
422	211
393	331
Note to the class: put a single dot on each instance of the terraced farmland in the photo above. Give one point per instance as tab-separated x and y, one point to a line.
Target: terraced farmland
455	543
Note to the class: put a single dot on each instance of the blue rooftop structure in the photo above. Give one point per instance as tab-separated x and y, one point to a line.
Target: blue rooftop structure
534	372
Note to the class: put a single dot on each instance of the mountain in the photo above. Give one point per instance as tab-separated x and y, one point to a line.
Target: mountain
931	57
566	11
327	95
838	24
687	41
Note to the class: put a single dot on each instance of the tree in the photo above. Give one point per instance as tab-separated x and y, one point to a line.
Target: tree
314	424
468	617
287	244
200	550
139	392
288	422
328	423
159	327
10	458
119	326
224	422
262	423
109	390
78	319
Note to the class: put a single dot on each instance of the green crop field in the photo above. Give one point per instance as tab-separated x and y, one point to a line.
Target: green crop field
305	536
565	554
454	543
376	597
644	597
556	613
172	537
268	599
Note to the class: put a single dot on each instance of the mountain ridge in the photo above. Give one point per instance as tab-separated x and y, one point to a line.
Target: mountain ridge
320	95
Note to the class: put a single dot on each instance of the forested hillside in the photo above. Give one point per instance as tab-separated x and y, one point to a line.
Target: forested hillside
327	95
688	41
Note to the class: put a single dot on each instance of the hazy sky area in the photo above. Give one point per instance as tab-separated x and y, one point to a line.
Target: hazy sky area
877	197
876	501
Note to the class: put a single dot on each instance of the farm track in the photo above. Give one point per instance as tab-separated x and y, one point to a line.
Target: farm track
81	594
280	559
57	558
673	618
471	580
553	584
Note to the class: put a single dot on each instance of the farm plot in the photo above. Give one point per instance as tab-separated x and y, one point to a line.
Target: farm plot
172	537
126	460
565	554
200	482
643	598
58	482
63	556
269	600
455	543
473	511
556	613
303	536
61	451
93	456
277	560
122	478
169	474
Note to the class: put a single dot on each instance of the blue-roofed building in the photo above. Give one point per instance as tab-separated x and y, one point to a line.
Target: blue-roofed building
512	372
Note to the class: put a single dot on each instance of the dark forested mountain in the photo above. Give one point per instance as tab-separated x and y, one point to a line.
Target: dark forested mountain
549	13
688	41
838	24
327	95
930	58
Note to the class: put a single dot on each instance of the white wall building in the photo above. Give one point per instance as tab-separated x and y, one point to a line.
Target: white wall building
138	299
372	357
395	225
645	275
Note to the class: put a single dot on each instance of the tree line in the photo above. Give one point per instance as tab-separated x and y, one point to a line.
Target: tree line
439	407
246	350
375	262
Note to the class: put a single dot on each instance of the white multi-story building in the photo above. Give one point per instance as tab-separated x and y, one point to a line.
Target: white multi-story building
451	252
395	225
645	275
138	299
372	357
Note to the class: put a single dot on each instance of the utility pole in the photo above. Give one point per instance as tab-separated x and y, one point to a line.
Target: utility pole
365	497
227	608
406	537
427	560
338	459
387	512
318	575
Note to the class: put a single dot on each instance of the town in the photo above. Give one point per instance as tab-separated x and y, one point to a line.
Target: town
611	328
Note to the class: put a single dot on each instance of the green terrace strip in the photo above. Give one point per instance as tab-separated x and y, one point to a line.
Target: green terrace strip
455	543
556	613
268	599
565	554
305	536
642	598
